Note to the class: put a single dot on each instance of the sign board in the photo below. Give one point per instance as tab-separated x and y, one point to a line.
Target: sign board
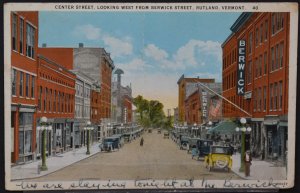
241	67
204	104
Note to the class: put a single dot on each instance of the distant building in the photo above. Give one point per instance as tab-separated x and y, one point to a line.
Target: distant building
176	115
203	105
185	87
121	100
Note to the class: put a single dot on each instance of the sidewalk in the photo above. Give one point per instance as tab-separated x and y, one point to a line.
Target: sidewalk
259	170
54	163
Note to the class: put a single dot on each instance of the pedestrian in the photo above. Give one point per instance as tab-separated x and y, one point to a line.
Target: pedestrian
194	151
247	161
142	142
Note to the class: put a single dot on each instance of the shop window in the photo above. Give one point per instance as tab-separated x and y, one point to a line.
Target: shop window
25	136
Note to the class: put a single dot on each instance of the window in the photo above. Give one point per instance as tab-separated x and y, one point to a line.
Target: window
249	74
256	67
265	63
25	135
250	42
273	23
255	100
276	56
282	20
21	39
261	32
275	96
50	101
266	30
54	101
30	41
27	85
40	98
259	99
272	59
271	97
21	83
260	65
32	86
281	54
45	99
256	36
280	95
14	31
13	82
265	99
58	102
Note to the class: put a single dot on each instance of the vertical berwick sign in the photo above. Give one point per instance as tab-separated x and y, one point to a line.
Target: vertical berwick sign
241	67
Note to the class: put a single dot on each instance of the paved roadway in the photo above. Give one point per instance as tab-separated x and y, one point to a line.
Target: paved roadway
159	158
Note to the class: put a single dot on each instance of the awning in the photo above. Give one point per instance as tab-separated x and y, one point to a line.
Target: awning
225	127
271	122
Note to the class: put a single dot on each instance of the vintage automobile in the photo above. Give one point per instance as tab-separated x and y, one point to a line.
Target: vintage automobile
184	142
192	143
112	143
218	157
203	146
166	134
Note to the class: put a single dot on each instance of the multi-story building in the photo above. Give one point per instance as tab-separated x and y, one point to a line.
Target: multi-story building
24	42
95	63
121	100
83	88
201	104
95	110
184	87
258	52
56	95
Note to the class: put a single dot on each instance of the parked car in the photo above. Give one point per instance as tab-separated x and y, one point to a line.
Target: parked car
112	143
218	157
184	142
166	134
203	146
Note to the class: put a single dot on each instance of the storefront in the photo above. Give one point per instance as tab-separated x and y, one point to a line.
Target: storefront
256	140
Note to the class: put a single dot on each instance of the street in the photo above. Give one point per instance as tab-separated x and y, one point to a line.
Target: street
158	158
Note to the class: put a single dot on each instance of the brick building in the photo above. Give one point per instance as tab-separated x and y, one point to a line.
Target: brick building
95	63
201	105
56	96
24	38
264	64
184	85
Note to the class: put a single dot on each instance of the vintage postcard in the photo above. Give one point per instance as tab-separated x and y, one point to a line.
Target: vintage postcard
150	95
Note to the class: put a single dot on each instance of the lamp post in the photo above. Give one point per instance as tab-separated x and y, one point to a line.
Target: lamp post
243	130
44	127
88	128
195	128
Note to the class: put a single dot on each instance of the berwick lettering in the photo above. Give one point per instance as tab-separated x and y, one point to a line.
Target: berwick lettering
241	67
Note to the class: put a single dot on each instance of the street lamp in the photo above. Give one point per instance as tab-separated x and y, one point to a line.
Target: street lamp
88	128
44	127
243	130
195	128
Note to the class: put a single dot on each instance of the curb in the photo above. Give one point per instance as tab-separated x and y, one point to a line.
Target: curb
29	178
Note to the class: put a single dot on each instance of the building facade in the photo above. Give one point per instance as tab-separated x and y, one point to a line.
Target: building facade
185	87
83	88
258	52
56	96
24	42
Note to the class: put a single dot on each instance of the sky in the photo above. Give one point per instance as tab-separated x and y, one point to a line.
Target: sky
153	48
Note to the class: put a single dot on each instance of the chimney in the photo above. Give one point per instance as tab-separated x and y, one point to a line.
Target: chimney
44	45
80	45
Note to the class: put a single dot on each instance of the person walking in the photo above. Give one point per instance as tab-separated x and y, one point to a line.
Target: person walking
142	142
247	160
